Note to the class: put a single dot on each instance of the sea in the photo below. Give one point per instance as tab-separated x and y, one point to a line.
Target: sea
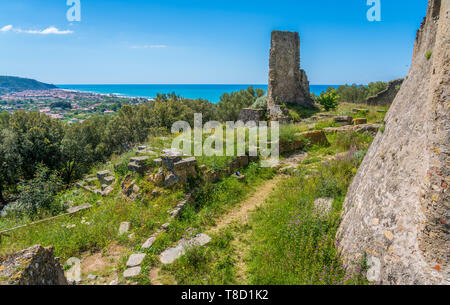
207	92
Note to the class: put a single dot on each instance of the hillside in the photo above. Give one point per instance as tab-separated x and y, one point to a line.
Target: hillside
15	84
396	210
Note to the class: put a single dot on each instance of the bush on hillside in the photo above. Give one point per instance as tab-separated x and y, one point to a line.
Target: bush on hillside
328	100
36	195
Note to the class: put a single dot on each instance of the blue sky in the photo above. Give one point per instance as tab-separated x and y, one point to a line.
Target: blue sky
203	42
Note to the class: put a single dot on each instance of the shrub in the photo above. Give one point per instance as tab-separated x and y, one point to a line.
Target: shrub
428	54
36	195
261	103
328	100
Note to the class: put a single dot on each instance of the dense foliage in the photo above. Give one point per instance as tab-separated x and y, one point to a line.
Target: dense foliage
358	93
231	104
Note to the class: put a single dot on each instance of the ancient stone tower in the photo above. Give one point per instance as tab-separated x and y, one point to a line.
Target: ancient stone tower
396	213
287	83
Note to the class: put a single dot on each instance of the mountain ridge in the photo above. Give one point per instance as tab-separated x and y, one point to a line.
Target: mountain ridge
9	84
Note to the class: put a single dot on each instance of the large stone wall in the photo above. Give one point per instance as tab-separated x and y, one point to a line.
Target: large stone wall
387	96
287	83
396	209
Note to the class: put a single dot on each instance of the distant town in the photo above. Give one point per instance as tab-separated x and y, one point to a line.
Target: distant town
67	105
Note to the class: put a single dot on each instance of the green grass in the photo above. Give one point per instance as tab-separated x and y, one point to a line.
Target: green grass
213	264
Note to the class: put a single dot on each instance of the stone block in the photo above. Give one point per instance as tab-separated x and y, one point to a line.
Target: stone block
344	120
135	259
148	243
315	137
124	227
79	208
360	121
141	161
185	163
107	191
132	272
170	255
102	174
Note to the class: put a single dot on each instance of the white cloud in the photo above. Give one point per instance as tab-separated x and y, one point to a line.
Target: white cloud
6	28
48	31
158	46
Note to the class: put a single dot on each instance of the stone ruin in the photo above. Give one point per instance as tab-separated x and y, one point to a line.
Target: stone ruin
288	84
34	266
251	115
387	96
175	170
396	210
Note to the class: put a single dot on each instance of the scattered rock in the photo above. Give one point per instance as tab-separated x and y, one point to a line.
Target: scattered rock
148	243
132	272
343	120
74	273
371	128
107	191
124	227
356	110
171	254
78	208
360	121
101	175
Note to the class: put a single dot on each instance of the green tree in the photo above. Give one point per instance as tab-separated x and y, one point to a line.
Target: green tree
10	161
230	104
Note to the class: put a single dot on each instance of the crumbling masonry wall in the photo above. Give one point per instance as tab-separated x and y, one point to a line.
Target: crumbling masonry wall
287	83
387	96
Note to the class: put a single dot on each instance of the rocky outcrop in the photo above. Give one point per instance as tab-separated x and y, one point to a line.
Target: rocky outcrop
287	83
34	266
387	96
396	209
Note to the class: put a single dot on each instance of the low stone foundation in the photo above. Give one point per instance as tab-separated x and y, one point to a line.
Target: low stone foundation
387	96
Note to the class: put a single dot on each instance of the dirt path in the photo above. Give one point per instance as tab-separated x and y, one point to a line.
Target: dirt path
154	276
240	213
